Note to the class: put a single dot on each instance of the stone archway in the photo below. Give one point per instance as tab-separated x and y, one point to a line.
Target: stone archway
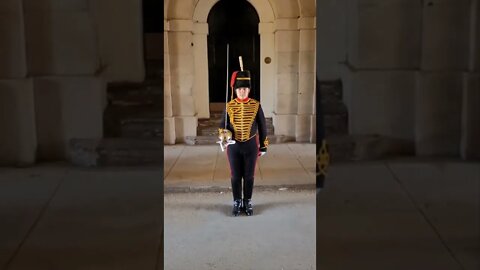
267	42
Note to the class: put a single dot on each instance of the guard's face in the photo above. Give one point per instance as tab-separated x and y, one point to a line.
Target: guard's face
242	93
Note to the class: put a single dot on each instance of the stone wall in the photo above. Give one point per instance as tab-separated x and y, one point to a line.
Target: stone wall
50	86
408	69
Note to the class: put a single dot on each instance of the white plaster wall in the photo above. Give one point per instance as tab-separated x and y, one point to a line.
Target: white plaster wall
120	39
445	35
18	141
67	108
13	63
438	106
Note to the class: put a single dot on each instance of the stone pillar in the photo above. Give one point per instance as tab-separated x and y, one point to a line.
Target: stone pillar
67	108
287	54
267	70
169	121
18	136
63	58
120	39
470	127
306	79
438	107
12	35
200	86
181	53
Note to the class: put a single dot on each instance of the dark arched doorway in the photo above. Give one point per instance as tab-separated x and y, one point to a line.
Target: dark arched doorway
234	22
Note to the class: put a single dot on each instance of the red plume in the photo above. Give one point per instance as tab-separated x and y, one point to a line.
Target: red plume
234	77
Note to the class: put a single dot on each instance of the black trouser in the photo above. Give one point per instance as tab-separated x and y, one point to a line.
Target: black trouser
242	157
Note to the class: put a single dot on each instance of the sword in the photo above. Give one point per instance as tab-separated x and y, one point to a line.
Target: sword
226	135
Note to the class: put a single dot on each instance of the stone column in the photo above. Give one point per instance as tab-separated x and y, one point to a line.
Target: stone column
267	70
18	140
63	59
287	54
168	120
120	39
438	109
306	80
182	75
200	85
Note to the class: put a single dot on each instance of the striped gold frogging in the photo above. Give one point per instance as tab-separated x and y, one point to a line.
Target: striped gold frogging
242	115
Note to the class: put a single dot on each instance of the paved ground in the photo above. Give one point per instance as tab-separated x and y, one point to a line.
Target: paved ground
397	214
207	166
201	234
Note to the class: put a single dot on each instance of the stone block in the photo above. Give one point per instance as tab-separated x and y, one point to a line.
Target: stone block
67	108
306	61
470	143
180	43
287	9
285	124
313	132
331	37
385	34
169	130
282	24
287	41
286	104
181	84
167	106
305	103
438	103
18	140
185	126
181	64
120	39
287	83
306	83
303	128
61	43
55	5
183	105
287	62
307	40
445	34
13	62
380	102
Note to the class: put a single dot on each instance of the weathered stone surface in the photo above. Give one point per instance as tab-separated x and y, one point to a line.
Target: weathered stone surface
379	102
116	152
13	62
61	43
445	34
438	103
122	52
18	140
385	34
67	108
470	143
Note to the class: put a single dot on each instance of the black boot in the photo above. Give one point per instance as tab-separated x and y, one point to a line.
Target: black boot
237	207
247	206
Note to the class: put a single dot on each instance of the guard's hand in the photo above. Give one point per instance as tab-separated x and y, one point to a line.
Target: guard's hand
261	153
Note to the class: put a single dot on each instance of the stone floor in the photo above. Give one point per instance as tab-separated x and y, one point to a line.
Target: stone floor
395	214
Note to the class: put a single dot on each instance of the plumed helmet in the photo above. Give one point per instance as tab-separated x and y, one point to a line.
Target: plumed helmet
240	79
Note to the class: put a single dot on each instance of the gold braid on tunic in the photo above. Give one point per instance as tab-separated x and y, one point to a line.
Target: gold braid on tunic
242	115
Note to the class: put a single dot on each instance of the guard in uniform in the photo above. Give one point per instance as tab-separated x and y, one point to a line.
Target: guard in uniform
245	122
